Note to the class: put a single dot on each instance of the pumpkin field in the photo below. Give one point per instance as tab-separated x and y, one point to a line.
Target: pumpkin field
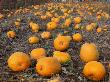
56	42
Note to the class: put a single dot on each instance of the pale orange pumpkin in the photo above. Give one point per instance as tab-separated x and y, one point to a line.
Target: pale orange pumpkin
46	35
63	57
58	79
89	27
89	52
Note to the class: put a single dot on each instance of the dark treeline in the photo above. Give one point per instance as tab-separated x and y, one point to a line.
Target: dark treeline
10	4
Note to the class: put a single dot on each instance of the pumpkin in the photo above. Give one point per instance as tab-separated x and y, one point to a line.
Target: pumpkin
77	20
33	40
77	26
35	27
51	26
58	79
99	17
89	27
46	35
94	70
61	43
18	61
47	66
89	52
62	57
99	30
67	22
11	34
44	17
17	23
1	16
77	37
38	53
56	20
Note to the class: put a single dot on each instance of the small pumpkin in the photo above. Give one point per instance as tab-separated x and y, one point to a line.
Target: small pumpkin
67	22
33	40
44	17
49	14
62	57
51	26
77	37
17	23
77	20
77	26
1	16
62	42
11	34
46	35
38	53
99	17
56	20
35	27
58	79
109	65
99	30
89	27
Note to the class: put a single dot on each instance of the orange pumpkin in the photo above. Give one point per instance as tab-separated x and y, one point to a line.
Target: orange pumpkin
62	42
11	34
47	66
99	17
56	20
99	30
94	70
89	52
1	16
33	40
67	22
77	37
19	61
35	27
77	20
109	65
51	26
17	23
38	53
77	26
